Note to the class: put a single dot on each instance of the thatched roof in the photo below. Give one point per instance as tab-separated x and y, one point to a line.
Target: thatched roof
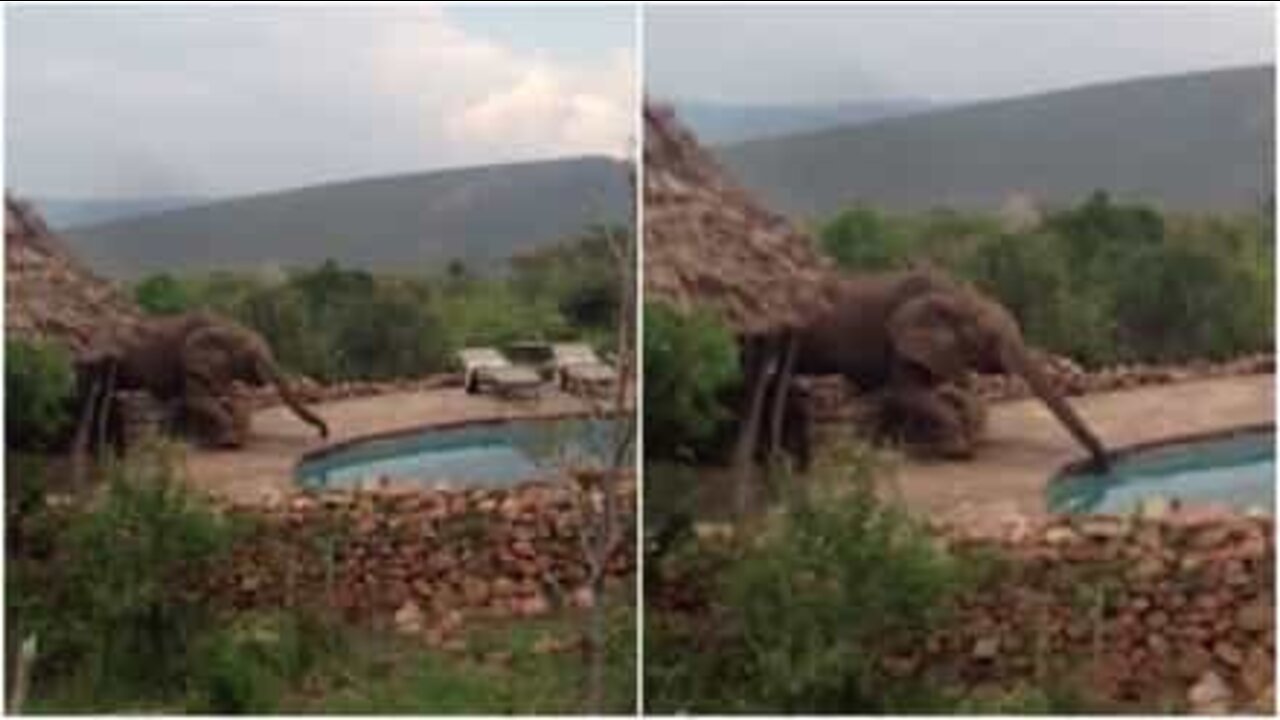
49	295
709	243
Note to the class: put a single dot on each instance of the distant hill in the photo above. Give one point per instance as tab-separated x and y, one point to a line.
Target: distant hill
715	122
62	213
1201	141
480	215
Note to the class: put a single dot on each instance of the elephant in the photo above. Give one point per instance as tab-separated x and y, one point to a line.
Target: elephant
911	338
188	363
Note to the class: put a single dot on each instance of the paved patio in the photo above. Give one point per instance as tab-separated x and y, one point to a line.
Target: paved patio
1026	444
263	471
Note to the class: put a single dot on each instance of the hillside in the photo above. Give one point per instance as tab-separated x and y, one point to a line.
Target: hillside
717	122
62	213
1202	141
480	215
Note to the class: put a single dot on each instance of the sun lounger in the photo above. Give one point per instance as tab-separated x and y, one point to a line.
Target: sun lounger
578	367
487	368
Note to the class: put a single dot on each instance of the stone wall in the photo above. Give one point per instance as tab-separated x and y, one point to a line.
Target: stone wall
423	561
1171	611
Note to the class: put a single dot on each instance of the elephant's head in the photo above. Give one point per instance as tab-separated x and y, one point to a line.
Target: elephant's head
946	333
220	352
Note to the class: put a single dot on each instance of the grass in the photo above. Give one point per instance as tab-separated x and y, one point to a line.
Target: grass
285	663
501	671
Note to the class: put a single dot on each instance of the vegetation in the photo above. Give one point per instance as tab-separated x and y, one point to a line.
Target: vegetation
39	385
109	591
811	610
799	618
334	323
1103	282
690	361
105	591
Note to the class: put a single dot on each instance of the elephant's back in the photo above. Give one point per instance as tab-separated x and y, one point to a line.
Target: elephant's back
852	337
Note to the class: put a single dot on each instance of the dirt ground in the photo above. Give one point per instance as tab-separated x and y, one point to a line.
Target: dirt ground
1025	444
263	471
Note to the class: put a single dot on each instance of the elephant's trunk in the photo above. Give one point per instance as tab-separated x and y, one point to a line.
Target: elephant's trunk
1018	360
270	372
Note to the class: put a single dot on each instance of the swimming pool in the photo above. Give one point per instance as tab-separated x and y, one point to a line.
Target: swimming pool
487	454
1235	470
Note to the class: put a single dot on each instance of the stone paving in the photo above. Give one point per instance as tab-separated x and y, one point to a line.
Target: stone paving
1025	444
263	470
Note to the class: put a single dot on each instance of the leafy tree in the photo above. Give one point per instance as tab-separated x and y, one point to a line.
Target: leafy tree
39	386
862	239
162	294
689	361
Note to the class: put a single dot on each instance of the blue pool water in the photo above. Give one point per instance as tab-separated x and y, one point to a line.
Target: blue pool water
1235	471
477	455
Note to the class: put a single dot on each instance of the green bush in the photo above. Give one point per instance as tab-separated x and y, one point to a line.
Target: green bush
39	388
690	360
1102	281
162	294
862	239
335	323
113	606
248	665
803	612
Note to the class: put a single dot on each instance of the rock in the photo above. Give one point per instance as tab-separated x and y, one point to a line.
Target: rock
1104	528
1060	535
1148	568
408	619
1256	616
1210	695
1155	508
1256	673
582	598
1228	653
986	648
1192	661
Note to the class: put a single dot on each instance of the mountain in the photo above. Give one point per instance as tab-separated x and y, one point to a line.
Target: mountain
1202	141
480	215
715	122
62	213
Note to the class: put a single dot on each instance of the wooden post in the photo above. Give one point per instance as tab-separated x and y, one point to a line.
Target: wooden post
782	388
761	355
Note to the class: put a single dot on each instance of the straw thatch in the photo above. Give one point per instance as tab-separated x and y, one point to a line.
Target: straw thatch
709	243
49	295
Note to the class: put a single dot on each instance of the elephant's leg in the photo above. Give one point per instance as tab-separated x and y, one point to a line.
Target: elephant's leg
971	409
216	420
926	419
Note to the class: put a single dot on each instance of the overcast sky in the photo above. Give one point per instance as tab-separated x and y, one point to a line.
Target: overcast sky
782	54
146	101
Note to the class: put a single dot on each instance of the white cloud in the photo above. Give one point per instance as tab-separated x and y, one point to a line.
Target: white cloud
512	103
177	100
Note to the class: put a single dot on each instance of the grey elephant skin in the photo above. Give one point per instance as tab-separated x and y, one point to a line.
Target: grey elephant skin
912	337
188	363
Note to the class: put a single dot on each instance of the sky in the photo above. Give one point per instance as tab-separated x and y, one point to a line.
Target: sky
146	101
791	54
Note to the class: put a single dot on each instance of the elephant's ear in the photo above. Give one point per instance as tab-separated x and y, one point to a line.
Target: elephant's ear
923	333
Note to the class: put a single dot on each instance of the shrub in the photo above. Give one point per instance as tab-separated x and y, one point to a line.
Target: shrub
1190	303
39	387
162	294
113	607
1102	281
1029	274
689	362
802	613
863	239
